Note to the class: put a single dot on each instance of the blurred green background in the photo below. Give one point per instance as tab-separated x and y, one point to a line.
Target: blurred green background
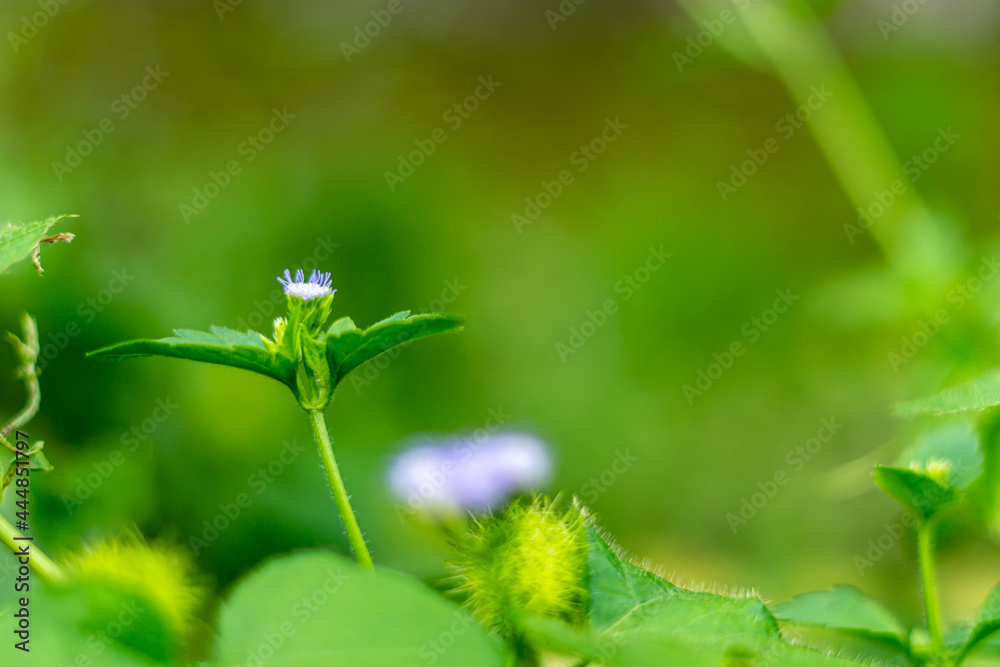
319	190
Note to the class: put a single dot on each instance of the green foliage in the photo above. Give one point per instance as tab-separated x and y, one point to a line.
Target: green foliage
979	394
848	611
316	609
222	346
984	626
90	624
917	491
346	346
18	241
637	618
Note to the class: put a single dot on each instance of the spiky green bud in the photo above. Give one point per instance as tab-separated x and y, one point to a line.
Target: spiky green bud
528	561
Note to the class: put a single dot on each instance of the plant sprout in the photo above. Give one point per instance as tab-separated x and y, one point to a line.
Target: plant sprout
305	356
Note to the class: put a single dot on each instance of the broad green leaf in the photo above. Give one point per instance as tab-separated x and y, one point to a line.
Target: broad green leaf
955	442
348	347
986	624
240	349
317	609
662	651
914	490
87	624
978	394
845	610
626	599
618	588
19	241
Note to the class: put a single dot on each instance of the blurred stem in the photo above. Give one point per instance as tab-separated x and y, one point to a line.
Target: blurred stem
804	56
340	496
928	578
42	565
27	352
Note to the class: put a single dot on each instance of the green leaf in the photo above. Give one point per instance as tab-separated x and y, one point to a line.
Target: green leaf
348	347
239	349
626	599
955	442
317	609
845	610
978	394
617	587
914	490
986	624
87	624
660	651
19	241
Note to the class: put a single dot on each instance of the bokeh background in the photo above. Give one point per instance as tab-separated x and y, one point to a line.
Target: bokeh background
140	266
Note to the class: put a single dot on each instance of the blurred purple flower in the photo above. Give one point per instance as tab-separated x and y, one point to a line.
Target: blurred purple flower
469	474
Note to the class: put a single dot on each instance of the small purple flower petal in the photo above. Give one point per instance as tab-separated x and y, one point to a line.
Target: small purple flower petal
318	285
467	474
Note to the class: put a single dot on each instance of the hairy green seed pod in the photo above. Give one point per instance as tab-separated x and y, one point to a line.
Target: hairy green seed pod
528	561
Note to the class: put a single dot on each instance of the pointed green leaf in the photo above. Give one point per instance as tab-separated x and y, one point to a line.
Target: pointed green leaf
626	599
239	349
978	394
845	610
617	587
348	347
19	241
316	608
914	490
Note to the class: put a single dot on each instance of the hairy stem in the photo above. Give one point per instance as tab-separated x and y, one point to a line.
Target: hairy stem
340	496
41	564
928	578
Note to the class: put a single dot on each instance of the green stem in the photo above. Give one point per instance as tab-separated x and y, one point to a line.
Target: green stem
340	496
805	57
928	577
42	565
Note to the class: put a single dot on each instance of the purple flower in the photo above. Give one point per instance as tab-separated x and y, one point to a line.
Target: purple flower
318	285
469	474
